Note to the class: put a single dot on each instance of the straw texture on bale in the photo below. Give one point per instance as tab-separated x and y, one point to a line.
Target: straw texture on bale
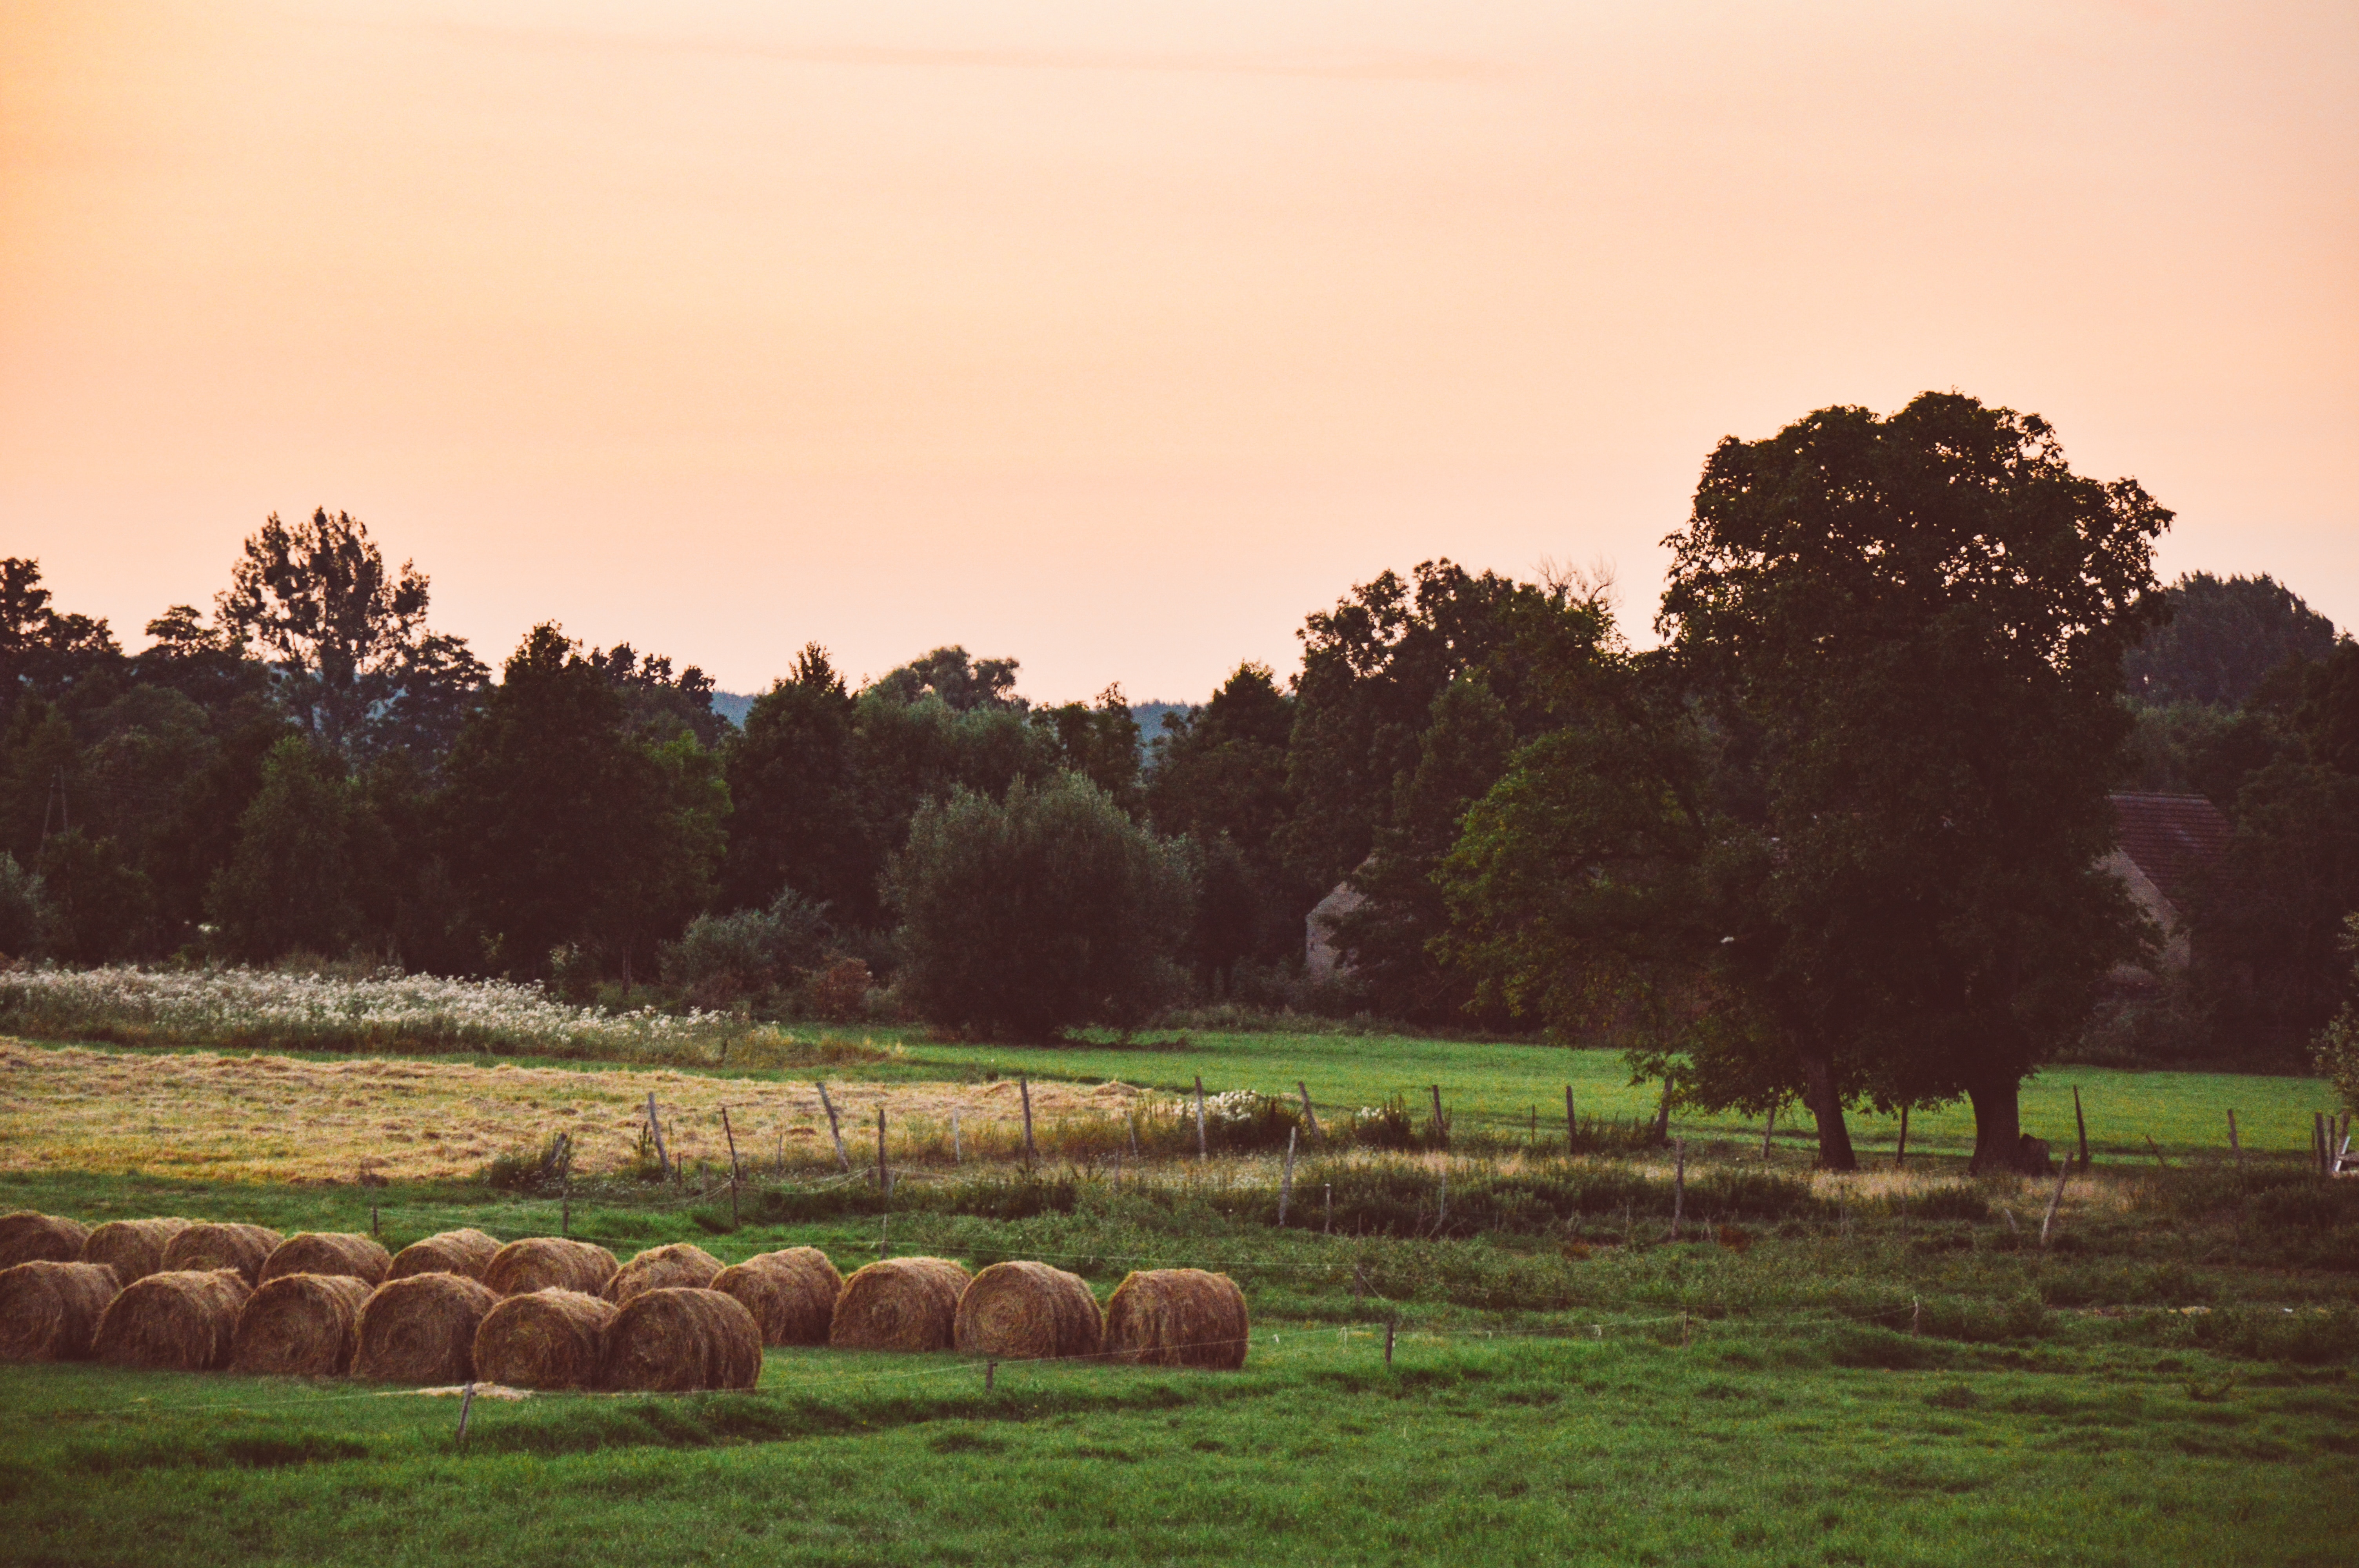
680	1266
544	1340
244	1247
1177	1317
1018	1312
899	1304
673	1340
421	1330
183	1320
133	1249
29	1237
791	1293
467	1252
549	1263
299	1325
329	1253
48	1310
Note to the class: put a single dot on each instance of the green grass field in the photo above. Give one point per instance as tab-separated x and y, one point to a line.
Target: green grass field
1890	1370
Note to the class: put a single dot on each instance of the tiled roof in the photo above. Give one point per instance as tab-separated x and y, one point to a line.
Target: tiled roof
2174	838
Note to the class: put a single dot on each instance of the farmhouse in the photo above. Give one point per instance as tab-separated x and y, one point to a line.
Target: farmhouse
2164	846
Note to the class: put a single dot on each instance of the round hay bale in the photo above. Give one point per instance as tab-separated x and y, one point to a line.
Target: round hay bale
680	1266
675	1340
1019	1312
29	1237
207	1246
544	1340
899	1304
466	1253
791	1293
299	1325
1177	1317
133	1249
549	1263
183	1320
421	1330
49	1311
329	1253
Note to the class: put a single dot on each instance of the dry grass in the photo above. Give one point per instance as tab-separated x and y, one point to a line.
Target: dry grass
203	1116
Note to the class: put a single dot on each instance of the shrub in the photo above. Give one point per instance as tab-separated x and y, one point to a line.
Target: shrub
1023	918
23	912
721	959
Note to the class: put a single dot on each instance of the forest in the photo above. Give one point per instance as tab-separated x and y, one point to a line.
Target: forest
1830	839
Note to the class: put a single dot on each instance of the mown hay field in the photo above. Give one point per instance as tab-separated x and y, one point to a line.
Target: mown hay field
203	1115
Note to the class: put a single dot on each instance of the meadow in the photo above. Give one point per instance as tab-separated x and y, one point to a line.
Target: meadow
1599	1358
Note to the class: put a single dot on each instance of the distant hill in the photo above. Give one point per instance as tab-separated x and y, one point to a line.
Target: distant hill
733	707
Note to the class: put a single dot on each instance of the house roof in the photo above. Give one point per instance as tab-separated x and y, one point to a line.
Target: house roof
2173	839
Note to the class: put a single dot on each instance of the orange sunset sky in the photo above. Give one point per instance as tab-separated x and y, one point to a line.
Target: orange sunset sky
1117	337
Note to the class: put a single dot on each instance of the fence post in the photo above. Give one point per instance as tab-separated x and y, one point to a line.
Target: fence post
834	1130
1024	1088
958	1148
1329	1188
1572	1127
2235	1148
565	1187
1201	1151
1390	1325
466	1403
1900	1153
2081	1124
883	1181
1308	1114
655	1127
1286	1181
1768	1129
2053	1199
731	1136
1440	1123
1678	1185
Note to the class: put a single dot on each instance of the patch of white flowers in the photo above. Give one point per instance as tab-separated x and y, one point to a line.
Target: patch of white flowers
241	1007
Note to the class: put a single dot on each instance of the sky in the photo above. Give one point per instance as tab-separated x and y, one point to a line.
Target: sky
1118	339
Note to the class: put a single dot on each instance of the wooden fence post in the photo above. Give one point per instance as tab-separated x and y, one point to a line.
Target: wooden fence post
2157	1148
835	1129
1329	1188
1440	1123
1200	1147
1571	1127
1900	1153
1308	1114
883	1181
958	1147
1285	1180
467	1404
2081	1124
1024	1088
2235	1148
564	1190
1678	1185
1390	1324
731	1136
655	1127
1768	1130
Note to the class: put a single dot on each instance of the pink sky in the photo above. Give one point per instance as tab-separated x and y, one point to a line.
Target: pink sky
1118	338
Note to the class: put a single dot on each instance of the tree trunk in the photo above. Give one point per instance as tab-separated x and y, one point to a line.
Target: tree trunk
1999	1126
1826	1106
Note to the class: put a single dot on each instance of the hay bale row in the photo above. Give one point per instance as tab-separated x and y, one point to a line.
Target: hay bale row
29	1237
674	1339
50	1311
299	1325
183	1320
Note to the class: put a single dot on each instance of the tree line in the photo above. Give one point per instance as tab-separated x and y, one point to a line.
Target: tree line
1832	840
